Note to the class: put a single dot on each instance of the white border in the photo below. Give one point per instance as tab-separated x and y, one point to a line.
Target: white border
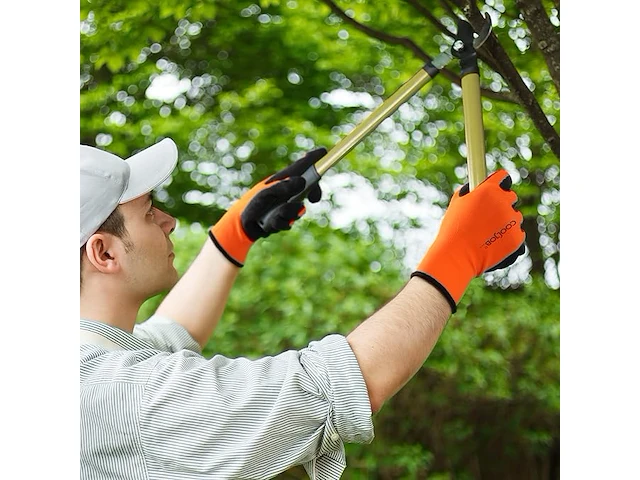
39	198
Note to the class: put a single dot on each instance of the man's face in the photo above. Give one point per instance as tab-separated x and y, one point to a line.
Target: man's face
149	264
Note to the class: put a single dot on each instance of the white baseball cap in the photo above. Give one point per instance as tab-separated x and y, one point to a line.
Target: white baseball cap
107	180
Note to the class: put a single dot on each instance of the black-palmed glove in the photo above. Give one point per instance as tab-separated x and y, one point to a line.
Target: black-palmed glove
241	225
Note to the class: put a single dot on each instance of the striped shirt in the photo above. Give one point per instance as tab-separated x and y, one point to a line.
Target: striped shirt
152	407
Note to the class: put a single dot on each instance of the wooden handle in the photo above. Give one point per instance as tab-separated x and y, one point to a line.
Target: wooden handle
390	105
473	129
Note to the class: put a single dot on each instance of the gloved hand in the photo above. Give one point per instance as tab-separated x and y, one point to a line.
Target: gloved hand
481	231
239	227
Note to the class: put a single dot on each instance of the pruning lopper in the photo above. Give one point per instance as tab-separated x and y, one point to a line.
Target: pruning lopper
464	49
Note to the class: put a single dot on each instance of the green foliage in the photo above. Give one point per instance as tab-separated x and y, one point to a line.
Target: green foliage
257	82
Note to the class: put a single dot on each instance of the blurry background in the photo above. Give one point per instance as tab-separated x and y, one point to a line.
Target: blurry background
246	88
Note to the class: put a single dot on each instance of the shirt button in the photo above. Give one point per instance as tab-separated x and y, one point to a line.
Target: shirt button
335	437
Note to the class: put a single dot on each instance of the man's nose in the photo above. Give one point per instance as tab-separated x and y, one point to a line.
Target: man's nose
166	222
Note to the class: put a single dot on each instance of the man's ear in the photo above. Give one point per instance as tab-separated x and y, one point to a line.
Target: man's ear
103	253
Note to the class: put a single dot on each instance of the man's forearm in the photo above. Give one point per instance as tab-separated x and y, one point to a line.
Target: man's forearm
198	300
394	342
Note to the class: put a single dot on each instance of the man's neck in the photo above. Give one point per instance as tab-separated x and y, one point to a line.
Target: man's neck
109	307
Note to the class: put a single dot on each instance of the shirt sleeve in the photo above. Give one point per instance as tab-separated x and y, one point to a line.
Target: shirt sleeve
165	335
241	418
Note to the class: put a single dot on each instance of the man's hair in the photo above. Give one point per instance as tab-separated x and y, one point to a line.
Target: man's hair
113	225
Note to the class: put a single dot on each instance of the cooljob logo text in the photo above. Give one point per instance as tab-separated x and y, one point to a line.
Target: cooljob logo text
499	234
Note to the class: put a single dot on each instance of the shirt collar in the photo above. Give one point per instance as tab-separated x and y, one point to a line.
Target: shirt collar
114	338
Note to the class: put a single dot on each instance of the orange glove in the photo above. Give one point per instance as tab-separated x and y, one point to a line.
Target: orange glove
240	226
481	231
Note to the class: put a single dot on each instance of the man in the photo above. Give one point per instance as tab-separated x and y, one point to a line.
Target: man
153	407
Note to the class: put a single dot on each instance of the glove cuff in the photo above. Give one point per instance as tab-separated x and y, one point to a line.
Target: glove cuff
445	293
232	241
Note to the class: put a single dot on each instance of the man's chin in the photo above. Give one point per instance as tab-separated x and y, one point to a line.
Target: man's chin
169	282
173	277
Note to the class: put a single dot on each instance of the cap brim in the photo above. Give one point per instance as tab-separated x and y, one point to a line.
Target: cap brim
149	168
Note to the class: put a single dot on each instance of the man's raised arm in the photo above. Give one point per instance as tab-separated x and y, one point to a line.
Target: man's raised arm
481	231
198	300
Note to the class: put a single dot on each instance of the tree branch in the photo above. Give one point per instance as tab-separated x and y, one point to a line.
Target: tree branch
545	35
411	45
431	17
435	22
507	69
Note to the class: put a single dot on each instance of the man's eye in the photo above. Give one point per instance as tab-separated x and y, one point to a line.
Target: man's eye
151	211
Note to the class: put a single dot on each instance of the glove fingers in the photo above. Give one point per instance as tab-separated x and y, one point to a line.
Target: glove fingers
284	217
284	189
266	200
506	183
315	194
309	159
512	257
501	177
291	211
278	224
509	260
299	166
